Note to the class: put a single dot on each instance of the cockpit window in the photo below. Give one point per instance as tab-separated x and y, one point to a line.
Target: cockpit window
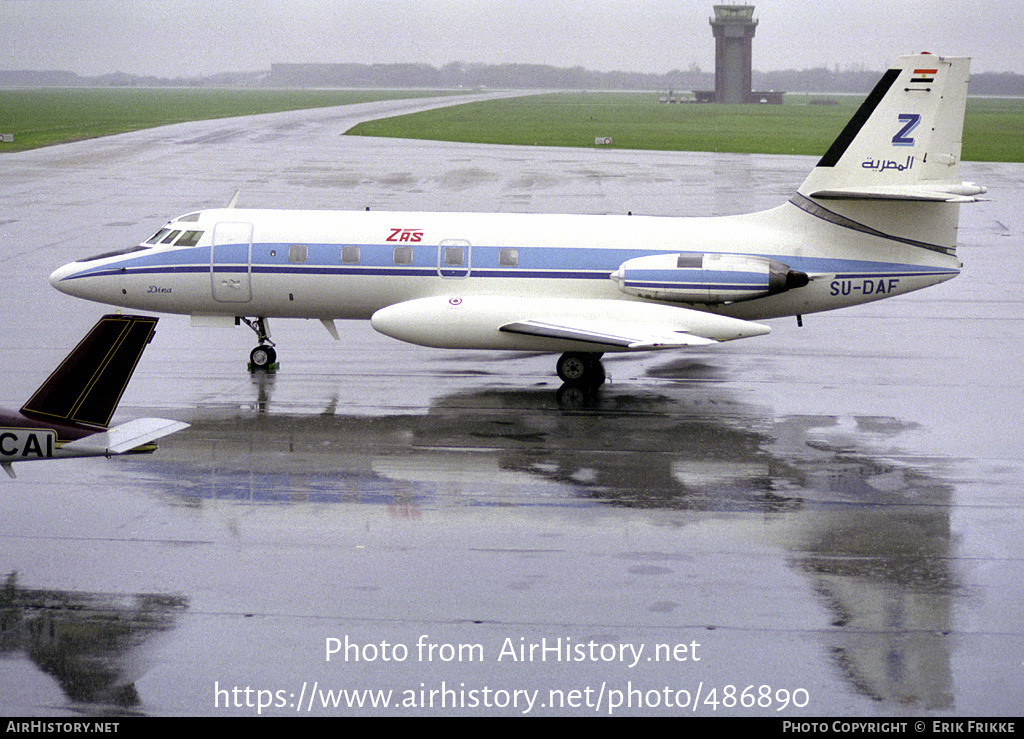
167	236
155	238
118	253
189	238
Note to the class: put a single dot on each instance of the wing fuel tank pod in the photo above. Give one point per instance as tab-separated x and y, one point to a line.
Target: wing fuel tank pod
705	278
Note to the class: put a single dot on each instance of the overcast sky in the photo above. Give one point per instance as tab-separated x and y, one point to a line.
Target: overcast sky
199	37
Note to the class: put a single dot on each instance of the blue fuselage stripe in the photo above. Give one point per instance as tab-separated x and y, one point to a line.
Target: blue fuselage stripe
560	263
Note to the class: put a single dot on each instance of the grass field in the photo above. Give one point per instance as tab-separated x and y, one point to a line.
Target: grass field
993	131
41	117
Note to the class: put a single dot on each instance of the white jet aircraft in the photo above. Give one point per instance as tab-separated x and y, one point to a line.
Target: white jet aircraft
877	217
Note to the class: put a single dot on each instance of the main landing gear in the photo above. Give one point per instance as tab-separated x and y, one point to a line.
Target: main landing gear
581	368
582	374
264	357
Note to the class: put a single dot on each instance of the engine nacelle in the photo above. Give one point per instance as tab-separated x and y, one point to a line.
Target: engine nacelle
705	278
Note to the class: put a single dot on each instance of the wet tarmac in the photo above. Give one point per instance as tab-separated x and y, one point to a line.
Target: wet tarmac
825	521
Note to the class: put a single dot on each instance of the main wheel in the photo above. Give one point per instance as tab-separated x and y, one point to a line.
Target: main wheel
581	369
572	367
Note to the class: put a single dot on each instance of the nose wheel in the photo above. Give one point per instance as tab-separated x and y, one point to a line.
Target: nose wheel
581	368
264	357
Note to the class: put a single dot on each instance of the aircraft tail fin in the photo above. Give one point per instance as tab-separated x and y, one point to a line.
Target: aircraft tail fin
895	168
87	386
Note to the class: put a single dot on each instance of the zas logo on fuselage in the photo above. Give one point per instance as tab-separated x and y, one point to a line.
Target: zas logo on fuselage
412	235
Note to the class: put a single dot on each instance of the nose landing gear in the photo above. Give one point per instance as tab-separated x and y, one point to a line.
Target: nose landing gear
264	357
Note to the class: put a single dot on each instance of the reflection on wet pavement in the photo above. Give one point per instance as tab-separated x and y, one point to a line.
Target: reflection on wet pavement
95	645
868	531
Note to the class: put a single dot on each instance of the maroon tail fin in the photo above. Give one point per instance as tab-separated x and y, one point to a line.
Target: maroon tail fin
87	386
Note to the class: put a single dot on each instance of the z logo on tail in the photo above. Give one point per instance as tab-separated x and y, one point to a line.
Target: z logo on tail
910	121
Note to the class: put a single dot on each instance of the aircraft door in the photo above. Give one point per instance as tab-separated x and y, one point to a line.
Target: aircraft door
231	262
453	258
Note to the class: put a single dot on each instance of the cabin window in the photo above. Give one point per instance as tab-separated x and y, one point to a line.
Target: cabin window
298	253
189	238
350	255
403	255
454	256
508	257
690	261
170	237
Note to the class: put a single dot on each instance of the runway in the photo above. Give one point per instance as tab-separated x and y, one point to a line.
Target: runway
825	521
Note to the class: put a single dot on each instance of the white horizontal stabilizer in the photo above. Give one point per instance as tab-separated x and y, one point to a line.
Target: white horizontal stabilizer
965	192
125	437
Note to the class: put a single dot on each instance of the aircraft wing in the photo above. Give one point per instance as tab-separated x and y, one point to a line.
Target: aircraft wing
555	324
623	334
125	437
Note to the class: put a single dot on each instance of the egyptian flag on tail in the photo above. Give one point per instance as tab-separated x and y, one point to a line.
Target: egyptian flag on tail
921	78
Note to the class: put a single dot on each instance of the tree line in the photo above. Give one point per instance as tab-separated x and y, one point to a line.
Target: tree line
854	80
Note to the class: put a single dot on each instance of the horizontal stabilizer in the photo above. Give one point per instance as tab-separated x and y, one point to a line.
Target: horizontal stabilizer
602	333
935	192
125	437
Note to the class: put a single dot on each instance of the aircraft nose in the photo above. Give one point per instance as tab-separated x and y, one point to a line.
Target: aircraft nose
60	276
71	280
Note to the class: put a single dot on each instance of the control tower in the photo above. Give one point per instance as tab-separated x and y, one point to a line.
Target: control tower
733	27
